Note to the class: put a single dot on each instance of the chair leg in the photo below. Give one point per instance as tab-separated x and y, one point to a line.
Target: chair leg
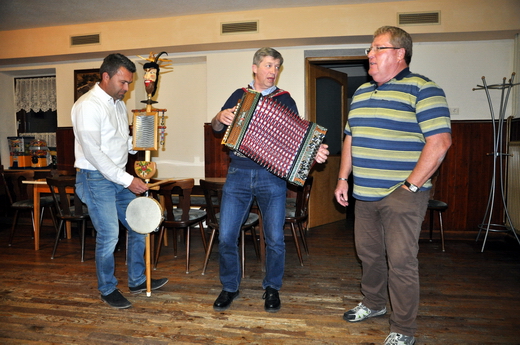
255	243
442	231
159	246
83	226
304	239
165	240
295	237
261	237
13	227
188	240
243	252
431	224
53	217
60	226
54	220
32	222
208	252
126	248
203	235
175	239
41	217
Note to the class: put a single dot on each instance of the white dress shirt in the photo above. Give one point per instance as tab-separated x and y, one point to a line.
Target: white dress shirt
103	138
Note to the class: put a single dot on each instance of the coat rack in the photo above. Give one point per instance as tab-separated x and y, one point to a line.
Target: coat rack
498	162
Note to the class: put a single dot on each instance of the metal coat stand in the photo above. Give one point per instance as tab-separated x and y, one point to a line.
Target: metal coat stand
498	162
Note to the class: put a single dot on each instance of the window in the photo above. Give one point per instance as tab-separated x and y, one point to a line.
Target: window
35	99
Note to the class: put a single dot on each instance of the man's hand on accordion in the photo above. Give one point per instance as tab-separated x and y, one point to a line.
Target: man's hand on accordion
223	118
323	154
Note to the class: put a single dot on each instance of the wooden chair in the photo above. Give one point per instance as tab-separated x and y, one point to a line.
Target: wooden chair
68	208
197	198
21	199
296	216
181	217
439	206
436	206
213	196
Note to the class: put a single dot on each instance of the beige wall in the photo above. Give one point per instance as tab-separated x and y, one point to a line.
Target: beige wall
208	67
460	19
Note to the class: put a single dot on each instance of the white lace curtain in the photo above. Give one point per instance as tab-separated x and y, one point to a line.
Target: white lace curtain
38	94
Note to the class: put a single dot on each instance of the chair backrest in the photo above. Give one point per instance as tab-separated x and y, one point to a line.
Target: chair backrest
183	189
53	173
302	198
62	200
15	189
213	195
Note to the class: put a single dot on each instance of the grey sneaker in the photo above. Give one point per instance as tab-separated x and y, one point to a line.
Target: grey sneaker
361	312
399	339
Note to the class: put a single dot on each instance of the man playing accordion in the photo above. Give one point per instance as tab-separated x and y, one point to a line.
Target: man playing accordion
247	181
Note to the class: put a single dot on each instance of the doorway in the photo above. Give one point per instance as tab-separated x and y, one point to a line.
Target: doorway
331	83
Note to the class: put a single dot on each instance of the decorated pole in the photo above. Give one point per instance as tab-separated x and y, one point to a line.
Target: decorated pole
145	135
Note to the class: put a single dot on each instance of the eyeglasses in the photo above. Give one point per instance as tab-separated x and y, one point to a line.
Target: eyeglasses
378	49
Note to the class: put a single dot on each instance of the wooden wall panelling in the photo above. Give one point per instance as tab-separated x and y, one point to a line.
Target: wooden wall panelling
515	129
216	158
465	177
65	148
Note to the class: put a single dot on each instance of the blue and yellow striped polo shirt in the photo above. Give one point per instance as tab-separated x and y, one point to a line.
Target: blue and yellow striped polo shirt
388	125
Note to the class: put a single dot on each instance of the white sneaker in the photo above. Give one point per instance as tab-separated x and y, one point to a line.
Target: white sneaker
399	339
362	312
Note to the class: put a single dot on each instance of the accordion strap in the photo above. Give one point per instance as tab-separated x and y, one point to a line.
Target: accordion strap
275	93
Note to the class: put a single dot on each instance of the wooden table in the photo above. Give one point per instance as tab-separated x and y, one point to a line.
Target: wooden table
41	187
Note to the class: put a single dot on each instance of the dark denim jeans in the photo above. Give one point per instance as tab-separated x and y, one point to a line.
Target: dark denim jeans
107	203
240	189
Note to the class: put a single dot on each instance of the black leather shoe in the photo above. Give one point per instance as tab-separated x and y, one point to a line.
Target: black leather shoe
224	300
116	299
156	284
272	300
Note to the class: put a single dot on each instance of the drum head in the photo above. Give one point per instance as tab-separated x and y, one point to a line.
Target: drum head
144	215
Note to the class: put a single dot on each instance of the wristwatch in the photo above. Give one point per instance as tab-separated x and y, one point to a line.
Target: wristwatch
413	188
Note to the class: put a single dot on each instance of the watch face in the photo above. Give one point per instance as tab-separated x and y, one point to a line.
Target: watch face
411	187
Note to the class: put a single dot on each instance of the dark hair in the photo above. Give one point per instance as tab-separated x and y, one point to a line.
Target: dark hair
398	38
266	51
113	62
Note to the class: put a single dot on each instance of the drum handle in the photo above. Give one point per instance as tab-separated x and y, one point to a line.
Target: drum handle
155	185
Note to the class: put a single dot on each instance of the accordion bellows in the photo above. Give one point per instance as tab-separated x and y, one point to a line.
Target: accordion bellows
275	137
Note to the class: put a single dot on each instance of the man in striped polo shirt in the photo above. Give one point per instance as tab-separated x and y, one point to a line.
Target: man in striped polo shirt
397	135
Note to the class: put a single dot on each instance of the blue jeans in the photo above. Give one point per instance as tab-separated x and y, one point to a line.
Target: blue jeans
240	189
107	202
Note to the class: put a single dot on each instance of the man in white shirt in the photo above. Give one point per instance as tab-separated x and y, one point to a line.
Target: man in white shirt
102	144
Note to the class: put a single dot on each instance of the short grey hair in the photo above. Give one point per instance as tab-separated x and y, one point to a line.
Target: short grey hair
266	51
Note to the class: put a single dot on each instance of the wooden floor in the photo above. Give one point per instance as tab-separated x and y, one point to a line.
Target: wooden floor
467	297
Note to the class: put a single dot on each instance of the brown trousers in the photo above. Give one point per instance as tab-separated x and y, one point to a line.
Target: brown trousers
387	242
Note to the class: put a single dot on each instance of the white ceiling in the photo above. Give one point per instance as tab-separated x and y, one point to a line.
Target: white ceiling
25	14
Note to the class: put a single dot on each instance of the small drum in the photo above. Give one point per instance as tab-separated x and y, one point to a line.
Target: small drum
144	215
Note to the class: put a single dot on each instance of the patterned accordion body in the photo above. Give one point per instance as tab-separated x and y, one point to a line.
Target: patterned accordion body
275	137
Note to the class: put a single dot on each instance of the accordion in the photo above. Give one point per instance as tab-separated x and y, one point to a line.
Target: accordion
274	136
